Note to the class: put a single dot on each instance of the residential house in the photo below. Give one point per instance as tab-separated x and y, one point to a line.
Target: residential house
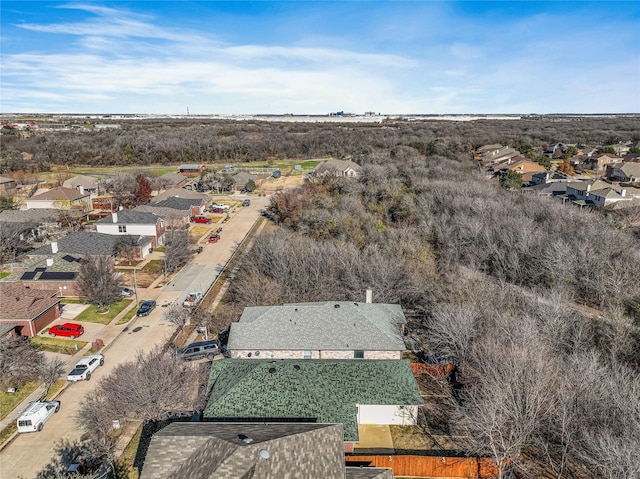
8	186
241	179
579	190
55	272
496	156
338	168
30	309
195	206
555	150
171	193
626	172
556	188
325	330
192	169
132	222
347	392
553	176
61	199
606	196
171	181
185	450
600	161
82	183
42	220
84	243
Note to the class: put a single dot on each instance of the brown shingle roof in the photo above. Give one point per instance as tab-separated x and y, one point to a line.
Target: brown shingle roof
18	302
66	194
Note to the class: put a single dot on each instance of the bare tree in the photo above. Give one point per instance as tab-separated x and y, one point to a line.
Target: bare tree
18	359
50	372
176	249
178	315
98	280
126	247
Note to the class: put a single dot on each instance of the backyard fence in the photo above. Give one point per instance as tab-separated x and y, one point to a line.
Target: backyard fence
430	466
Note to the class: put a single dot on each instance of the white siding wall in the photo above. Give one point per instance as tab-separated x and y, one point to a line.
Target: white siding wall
142	230
381	414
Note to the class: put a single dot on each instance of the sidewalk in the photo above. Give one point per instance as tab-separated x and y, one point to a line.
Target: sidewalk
108	335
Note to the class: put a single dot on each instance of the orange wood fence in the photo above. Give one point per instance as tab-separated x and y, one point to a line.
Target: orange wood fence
438	370
430	466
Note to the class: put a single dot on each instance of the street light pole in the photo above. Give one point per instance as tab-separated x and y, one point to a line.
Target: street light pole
135	285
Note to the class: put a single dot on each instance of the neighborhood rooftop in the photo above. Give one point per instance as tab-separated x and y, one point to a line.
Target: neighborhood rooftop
332	325
322	390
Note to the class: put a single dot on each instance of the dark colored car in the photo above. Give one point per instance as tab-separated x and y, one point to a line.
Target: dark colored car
246	202
202	349
145	308
69	330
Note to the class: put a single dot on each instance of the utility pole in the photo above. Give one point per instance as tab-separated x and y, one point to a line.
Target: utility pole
135	285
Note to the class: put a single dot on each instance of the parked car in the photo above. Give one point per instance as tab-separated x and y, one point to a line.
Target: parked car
217	210
199	249
69	330
83	368
221	206
146	307
219	230
199	350
192	299
246	202
126	292
214	238
200	219
36	414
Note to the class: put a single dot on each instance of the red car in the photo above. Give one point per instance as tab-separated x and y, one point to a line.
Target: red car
214	238
70	330
200	219
217	210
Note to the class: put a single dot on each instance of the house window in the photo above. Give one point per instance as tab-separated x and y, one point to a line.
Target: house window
358	354
122	228
306	355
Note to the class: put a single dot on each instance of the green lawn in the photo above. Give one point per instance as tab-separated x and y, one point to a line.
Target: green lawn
153	266
4	274
9	401
92	315
57	345
127	317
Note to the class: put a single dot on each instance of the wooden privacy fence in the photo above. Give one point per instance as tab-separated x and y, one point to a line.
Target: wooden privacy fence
430	466
438	370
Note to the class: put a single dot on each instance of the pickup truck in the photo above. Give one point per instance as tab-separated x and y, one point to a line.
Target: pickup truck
83	369
192	299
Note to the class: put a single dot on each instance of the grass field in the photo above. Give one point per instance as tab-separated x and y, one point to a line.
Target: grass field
92	315
57	345
9	401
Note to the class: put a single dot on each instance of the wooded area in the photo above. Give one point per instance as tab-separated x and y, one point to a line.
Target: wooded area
535	303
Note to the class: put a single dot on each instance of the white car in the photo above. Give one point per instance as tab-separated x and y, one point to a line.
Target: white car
32	419
84	368
221	206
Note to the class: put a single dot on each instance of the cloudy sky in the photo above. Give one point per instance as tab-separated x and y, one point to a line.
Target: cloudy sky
218	57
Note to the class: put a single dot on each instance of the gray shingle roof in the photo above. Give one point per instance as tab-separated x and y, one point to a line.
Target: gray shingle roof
179	193
87	242
324	390
328	326
63	194
37	215
177	203
132	217
173	178
368	473
203	450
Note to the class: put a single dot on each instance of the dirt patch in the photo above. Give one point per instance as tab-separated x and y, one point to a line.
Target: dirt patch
144	279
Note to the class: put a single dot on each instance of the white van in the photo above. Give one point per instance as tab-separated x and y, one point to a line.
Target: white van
36	414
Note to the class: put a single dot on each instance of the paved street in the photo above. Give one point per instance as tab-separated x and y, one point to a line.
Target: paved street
29	453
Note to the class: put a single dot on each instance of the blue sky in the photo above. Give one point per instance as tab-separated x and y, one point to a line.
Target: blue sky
218	57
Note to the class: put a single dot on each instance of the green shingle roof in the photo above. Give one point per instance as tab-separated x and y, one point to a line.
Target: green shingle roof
324	390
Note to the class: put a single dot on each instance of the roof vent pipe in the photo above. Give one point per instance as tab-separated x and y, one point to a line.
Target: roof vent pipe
49	261
54	247
369	296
